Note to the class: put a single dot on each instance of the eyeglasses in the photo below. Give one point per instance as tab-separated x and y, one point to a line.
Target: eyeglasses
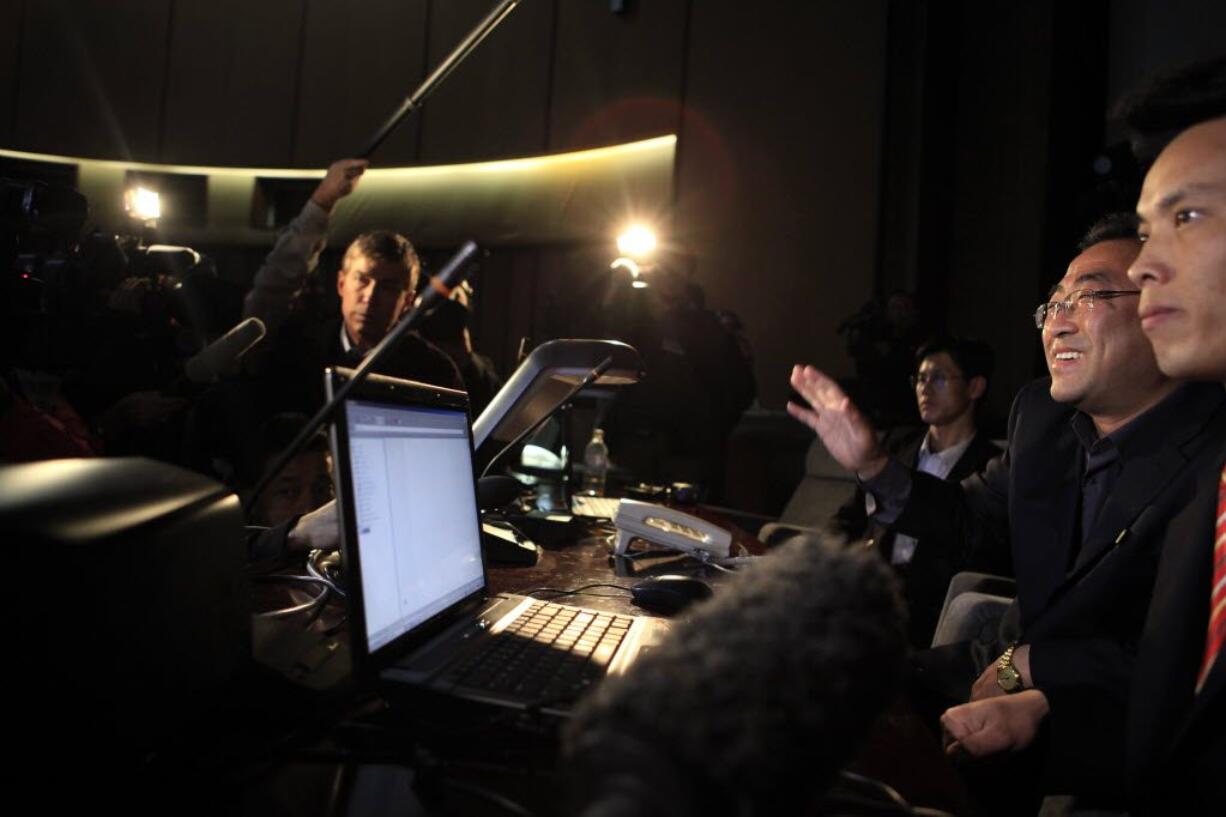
1079	298
938	380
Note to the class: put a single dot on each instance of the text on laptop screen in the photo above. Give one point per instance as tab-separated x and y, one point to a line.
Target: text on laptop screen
419	539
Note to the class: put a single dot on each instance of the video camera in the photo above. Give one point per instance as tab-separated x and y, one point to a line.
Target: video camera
51	271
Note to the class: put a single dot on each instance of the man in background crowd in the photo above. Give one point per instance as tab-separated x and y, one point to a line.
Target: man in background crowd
949	384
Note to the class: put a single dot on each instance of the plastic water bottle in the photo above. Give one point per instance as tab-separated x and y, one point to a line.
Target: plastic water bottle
596	464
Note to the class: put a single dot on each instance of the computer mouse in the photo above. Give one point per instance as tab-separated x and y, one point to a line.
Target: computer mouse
669	594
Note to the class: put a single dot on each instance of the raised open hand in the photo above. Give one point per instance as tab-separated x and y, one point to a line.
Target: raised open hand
845	431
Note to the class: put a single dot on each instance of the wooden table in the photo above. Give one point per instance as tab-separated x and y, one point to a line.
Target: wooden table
590	560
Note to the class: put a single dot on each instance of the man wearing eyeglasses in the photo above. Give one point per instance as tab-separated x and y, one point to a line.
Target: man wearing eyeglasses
1097	454
949	385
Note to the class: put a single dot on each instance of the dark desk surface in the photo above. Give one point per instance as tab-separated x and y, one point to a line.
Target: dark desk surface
590	561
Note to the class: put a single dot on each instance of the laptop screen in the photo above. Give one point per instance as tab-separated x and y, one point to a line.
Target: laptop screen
416	513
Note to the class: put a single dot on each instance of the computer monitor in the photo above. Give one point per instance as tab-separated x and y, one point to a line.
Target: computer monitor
133	603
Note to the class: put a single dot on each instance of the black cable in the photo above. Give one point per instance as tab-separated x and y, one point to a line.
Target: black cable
307	607
287	578
578	591
337	627
340	785
318	572
892	799
315	614
423	727
507	804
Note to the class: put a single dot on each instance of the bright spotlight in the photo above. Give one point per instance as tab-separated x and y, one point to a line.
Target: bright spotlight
637	241
638	283
143	204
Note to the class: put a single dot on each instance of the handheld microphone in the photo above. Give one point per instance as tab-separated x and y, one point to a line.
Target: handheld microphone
221	357
752	706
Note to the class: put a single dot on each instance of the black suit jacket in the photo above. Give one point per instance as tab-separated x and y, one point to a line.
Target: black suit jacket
1176	737
1083	616
926	577
288	373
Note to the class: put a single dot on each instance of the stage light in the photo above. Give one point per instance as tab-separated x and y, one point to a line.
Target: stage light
638	283
637	241
143	204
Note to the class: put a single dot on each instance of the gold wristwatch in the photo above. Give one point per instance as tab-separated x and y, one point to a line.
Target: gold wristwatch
1007	676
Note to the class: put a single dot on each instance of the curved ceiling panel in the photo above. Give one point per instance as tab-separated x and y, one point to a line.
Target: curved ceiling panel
580	196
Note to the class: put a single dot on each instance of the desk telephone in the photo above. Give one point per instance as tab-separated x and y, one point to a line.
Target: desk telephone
668	527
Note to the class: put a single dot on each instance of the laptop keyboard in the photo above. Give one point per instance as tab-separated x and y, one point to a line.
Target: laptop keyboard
549	652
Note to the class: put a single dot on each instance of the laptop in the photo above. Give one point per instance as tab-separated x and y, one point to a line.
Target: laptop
419	610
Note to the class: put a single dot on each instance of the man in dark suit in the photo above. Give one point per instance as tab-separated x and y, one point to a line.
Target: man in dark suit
1108	439
1177	714
1174	732
376	283
951	379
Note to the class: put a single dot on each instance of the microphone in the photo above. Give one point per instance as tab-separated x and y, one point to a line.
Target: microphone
446	280
754	704
222	355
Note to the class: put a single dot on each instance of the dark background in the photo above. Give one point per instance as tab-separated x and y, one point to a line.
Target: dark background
828	150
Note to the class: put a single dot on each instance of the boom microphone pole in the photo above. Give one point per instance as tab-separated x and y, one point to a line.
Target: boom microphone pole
413	101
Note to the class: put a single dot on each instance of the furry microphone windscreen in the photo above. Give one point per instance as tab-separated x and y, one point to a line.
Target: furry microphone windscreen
753	705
